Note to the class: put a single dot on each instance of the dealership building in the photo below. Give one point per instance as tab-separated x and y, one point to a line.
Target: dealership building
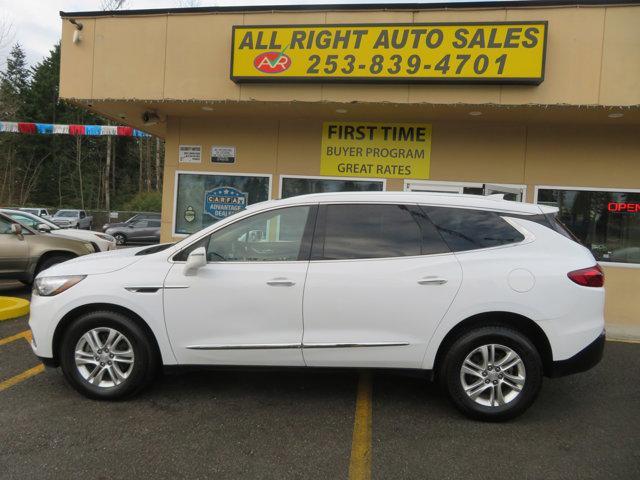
539	101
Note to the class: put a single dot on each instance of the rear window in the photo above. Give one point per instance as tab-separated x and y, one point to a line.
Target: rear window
464	229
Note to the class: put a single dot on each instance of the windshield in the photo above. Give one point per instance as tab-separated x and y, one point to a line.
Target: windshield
66	213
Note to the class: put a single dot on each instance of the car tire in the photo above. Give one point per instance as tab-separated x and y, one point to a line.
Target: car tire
98	379
50	261
121	238
492	373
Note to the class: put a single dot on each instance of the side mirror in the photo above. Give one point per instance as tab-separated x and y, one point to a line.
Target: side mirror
16	229
195	261
43	227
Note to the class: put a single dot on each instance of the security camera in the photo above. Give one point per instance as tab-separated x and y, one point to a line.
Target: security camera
150	118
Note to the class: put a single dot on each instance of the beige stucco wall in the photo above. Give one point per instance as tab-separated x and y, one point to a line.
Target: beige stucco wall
593	156
592	58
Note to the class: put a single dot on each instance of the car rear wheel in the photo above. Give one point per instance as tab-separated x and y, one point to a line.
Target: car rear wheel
121	239
492	373
106	355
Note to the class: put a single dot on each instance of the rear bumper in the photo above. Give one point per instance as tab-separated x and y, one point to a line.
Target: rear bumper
582	361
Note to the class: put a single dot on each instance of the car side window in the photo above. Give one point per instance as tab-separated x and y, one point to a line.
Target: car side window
154	223
5	226
466	229
357	231
29	222
276	235
140	224
82	214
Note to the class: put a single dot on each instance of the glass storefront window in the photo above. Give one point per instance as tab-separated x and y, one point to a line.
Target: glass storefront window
608	223
292	186
203	199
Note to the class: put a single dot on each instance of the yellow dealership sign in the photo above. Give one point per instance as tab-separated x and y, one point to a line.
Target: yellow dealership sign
499	52
385	150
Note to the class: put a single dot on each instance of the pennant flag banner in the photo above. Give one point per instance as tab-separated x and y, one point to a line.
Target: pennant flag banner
54	129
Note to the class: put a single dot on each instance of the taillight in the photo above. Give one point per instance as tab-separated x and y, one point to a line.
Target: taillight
588	277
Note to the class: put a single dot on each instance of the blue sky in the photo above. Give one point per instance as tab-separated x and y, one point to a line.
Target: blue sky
36	23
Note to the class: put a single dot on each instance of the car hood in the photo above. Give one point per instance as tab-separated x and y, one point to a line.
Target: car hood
76	234
97	263
117	224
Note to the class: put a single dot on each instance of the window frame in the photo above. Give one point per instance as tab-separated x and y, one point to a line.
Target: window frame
537	188
320	177
218	173
305	243
446	186
320	229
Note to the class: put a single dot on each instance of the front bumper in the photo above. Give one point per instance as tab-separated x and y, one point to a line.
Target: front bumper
582	361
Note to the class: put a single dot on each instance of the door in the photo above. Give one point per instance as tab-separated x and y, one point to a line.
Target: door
245	306
379	282
14	250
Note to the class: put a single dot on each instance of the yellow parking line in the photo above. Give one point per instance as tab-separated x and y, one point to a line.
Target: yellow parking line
360	463
623	340
21	377
26	334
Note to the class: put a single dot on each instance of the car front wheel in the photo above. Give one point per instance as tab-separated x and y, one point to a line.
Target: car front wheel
120	239
105	355
492	373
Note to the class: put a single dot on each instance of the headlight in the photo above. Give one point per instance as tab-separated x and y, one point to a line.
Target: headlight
108	238
50	286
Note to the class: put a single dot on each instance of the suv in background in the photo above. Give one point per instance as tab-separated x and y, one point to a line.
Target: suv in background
73	219
485	295
24	252
40	212
135	218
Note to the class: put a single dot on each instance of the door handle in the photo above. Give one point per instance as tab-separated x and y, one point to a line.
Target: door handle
280	282
432	281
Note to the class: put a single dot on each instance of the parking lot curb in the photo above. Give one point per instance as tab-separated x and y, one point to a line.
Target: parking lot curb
12	307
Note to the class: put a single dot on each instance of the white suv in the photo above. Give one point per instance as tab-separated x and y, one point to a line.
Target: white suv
485	295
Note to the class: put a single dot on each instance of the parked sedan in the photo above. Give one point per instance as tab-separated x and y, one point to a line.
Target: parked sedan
135	218
101	241
25	252
143	231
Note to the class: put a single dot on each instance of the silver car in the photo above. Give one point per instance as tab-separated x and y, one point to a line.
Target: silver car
143	231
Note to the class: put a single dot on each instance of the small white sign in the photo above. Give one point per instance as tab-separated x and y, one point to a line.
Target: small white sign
222	154
190	154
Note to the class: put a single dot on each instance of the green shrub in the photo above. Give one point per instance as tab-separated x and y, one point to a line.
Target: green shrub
144	202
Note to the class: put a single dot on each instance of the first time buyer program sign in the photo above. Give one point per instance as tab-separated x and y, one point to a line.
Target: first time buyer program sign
496	52
384	150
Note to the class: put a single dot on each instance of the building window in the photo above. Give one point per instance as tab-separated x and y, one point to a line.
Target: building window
205	198
515	193
606	222
292	185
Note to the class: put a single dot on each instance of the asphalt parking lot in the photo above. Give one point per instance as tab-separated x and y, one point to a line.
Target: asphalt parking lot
315	425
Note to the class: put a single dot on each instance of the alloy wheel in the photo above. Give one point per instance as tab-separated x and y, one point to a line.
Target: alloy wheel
104	357
493	375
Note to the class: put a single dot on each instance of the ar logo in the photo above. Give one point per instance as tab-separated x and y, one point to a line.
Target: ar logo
272	62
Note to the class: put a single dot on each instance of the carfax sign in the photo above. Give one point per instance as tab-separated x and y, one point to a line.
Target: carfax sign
224	201
499	52
385	150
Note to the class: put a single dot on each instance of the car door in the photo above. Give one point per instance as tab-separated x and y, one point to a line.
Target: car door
379	282
245	306
14	250
138	231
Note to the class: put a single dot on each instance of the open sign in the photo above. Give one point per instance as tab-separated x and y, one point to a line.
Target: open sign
623	207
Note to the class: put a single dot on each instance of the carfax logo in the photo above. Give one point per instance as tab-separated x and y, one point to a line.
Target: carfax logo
272	62
224	201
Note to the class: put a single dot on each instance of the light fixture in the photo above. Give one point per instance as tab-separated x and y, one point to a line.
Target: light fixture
150	118
475	113
76	32
616	115
341	110
207	108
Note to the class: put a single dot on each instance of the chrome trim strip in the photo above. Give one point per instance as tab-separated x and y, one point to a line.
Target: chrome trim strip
246	346
275	346
355	345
